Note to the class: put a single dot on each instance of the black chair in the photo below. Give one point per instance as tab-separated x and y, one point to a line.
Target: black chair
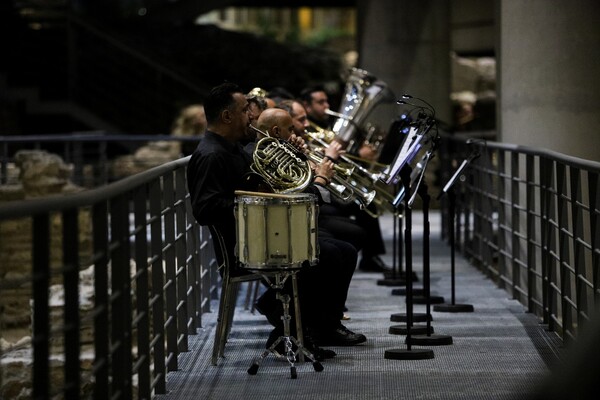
230	284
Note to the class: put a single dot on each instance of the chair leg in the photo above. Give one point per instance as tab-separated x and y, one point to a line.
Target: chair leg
221	318
255	296
232	293
249	290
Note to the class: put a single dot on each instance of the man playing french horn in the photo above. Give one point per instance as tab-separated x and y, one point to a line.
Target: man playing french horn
277	123
217	168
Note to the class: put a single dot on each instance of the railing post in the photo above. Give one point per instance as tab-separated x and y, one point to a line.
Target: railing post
502	218
158	300
531	232
594	196
41	309
578	248
187	276
101	301
515	227
171	289
71	310
564	250
547	177
121	299
142	323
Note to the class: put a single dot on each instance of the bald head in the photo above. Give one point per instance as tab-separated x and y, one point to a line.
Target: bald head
277	122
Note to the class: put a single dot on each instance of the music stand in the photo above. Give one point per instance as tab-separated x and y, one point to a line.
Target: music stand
449	190
392	174
428	338
408	353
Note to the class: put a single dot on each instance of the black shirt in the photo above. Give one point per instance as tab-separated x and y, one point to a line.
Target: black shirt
215	171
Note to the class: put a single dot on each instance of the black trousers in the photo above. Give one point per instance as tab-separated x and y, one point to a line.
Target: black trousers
364	229
322	288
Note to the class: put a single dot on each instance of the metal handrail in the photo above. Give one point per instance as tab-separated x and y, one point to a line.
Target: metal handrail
73	150
142	314
530	220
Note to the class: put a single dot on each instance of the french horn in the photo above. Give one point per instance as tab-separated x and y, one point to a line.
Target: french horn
284	168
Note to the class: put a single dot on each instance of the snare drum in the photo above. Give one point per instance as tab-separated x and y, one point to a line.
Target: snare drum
276	231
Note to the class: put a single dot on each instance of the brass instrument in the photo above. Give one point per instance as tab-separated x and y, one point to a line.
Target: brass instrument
363	92
281	165
287	170
321	133
362	180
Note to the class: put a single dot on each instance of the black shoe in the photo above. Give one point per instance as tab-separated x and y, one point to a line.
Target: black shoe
319	353
340	336
373	264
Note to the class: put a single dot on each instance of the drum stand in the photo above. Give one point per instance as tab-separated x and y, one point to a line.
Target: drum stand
287	339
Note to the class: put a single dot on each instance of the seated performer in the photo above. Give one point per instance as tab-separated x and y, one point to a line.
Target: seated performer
337	255
316	103
216	170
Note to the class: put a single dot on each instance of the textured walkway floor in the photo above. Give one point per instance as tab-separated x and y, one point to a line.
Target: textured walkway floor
499	351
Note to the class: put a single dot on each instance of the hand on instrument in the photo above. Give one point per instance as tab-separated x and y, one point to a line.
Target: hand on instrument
298	143
334	150
325	169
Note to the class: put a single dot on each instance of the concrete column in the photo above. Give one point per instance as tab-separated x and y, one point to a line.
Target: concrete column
407	45
549	75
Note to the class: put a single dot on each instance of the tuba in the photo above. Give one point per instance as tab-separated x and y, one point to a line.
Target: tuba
362	93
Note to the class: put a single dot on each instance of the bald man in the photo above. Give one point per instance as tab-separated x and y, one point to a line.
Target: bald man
323	288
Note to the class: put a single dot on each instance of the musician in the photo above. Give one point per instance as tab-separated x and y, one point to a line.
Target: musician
316	103
340	226
339	255
364	231
256	105
218	168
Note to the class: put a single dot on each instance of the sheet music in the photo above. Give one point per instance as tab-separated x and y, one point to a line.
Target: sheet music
408	150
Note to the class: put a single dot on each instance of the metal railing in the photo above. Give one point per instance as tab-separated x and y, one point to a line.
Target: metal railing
89	153
529	219
153	278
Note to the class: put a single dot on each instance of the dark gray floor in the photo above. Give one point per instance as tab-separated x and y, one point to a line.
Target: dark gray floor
498	352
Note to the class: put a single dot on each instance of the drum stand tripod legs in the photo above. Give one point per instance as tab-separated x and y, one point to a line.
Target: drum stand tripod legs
288	341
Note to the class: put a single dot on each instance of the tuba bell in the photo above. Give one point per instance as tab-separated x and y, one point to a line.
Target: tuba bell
362	93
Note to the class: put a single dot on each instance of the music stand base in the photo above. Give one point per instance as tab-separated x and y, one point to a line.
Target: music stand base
415	329
400	275
402	292
453	308
430	340
405	354
432	299
417	317
392	282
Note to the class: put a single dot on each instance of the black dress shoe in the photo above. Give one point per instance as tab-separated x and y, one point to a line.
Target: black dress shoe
340	336
319	353
373	264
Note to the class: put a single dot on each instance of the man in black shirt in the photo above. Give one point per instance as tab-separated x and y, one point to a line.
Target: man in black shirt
217	169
